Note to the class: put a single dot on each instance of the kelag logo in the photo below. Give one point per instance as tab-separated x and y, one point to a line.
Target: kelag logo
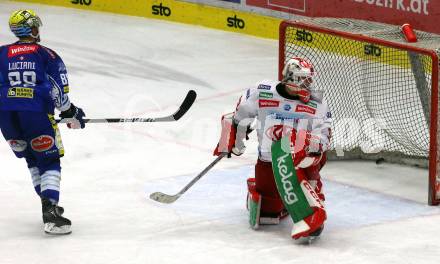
161	10
372	50
82	2
303	35
235	22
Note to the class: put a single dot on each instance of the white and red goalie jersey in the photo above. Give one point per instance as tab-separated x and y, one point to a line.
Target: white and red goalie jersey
278	115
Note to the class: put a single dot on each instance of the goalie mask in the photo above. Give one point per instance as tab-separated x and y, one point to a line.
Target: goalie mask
298	77
298	72
22	22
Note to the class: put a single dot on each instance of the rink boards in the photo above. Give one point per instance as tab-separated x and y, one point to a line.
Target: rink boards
183	12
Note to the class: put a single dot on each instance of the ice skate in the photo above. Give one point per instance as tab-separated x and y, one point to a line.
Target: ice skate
311	238
54	222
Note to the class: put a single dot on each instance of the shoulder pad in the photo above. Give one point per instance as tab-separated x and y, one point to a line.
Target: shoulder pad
317	96
51	53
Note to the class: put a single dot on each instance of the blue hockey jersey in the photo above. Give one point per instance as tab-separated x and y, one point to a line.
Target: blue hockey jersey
32	78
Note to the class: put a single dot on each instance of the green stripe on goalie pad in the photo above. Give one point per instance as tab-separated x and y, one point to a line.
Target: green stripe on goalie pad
287	181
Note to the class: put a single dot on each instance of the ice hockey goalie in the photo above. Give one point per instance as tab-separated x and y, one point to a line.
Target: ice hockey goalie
293	125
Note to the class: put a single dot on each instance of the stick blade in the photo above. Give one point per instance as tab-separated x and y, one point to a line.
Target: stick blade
186	105
163	198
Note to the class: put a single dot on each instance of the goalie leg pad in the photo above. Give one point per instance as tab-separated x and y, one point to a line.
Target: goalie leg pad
299	198
313	222
314	178
317	187
253	204
271	203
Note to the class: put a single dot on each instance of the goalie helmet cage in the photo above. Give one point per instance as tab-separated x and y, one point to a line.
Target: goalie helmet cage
382	91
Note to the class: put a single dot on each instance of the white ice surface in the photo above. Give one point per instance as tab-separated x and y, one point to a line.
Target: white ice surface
126	66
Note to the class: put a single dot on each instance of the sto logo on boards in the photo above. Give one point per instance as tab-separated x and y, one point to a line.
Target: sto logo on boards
81	2
304	36
235	22
161	10
372	50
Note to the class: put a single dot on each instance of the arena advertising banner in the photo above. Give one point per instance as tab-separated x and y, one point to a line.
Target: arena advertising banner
422	14
184	12
262	17
289	6
232	1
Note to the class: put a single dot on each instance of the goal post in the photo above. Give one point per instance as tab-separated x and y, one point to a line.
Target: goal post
381	90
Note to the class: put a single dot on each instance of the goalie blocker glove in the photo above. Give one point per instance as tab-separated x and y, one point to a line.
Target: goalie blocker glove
74	116
232	137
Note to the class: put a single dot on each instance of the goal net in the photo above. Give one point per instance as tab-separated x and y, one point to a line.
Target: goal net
381	90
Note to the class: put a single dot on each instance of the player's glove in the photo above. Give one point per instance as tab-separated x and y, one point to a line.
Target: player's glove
74	116
306	148
229	143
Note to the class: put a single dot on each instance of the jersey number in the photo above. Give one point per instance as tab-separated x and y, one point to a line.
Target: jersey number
63	77
26	78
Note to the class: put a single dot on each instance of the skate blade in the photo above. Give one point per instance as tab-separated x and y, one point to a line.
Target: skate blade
51	229
269	220
306	240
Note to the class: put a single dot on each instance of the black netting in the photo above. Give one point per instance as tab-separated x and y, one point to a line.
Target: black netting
379	96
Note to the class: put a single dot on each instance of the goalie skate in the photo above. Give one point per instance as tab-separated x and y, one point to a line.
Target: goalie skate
273	220
311	238
253	205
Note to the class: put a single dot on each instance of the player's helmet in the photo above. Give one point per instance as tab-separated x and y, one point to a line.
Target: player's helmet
21	23
297	70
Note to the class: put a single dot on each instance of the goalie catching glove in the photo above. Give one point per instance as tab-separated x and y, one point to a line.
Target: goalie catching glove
231	141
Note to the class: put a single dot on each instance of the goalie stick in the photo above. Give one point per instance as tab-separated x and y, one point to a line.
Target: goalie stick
165	198
184	107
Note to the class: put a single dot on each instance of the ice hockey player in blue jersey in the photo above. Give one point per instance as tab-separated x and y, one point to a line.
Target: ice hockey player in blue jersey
33	82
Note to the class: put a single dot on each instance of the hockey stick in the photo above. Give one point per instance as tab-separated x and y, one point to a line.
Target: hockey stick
165	198
184	107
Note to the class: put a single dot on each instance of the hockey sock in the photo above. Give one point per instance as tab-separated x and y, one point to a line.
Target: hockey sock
36	179
50	185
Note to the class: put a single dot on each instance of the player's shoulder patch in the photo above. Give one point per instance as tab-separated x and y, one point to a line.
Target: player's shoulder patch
266	85
248	93
312	103
265	94
17	49
262	86
251	93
